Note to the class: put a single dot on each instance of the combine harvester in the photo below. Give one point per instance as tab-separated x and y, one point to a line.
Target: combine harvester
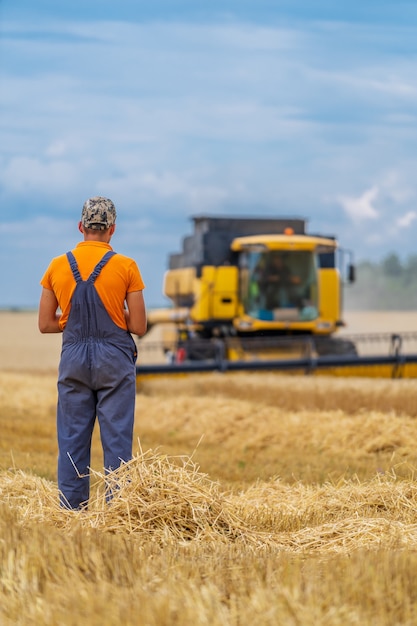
262	294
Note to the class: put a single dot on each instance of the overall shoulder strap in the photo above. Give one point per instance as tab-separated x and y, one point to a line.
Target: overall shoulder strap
96	271
74	267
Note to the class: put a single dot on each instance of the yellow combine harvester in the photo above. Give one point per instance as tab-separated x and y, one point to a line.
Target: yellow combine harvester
259	293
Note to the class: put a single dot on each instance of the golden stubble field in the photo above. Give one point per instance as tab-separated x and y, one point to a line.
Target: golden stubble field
253	498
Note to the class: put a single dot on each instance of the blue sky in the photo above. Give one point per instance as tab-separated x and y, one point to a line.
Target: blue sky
178	108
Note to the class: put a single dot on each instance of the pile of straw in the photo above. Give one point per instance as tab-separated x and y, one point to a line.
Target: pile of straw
165	500
162	498
340	517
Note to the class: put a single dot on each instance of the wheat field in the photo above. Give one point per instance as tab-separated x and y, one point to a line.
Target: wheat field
251	498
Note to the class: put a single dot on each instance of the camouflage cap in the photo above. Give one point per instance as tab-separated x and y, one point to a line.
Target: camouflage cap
98	213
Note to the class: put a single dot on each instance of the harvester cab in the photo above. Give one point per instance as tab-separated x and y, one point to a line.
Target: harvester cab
241	285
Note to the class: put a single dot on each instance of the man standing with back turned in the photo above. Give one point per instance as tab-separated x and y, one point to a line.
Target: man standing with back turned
99	294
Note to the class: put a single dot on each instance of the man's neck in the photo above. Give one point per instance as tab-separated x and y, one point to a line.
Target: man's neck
100	236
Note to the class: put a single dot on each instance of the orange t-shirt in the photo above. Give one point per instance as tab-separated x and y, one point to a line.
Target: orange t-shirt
118	277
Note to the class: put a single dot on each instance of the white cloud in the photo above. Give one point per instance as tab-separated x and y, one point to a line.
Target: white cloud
56	149
361	208
406	220
397	187
24	175
167	186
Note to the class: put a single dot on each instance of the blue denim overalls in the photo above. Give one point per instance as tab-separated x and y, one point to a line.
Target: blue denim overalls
97	378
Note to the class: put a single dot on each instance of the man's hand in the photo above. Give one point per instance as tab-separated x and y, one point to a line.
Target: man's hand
48	318
135	314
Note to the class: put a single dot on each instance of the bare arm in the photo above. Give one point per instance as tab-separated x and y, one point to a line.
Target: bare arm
135	314
48	317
